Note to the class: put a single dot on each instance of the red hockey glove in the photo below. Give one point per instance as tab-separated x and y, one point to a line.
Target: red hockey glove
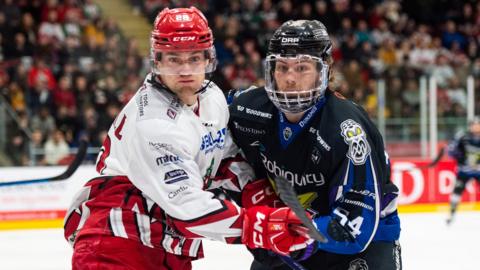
260	192
273	229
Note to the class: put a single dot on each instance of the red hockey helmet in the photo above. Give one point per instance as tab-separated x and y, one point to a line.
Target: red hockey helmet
181	30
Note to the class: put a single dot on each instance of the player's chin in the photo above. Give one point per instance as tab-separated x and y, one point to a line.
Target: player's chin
189	87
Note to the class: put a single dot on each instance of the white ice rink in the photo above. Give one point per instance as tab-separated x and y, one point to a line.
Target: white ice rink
427	243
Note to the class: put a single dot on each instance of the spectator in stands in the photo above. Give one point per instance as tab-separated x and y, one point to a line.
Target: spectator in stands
50	32
16	96
41	73
452	35
56	148
63	95
40	95
36	148
43	121
442	71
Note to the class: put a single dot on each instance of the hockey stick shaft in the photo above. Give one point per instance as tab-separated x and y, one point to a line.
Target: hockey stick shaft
289	197
433	163
292	263
82	150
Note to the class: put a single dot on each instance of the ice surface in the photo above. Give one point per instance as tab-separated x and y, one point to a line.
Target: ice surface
427	243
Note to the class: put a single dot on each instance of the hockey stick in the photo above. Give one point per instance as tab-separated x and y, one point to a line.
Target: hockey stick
292	263
82	150
433	163
289	197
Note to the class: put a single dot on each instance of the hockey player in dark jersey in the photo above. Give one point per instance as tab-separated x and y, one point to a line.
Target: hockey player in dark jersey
465	149
326	146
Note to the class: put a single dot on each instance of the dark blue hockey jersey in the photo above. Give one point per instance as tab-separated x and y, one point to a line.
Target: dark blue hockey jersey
334	157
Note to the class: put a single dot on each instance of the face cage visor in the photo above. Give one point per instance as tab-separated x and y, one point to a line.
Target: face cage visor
183	62
295	84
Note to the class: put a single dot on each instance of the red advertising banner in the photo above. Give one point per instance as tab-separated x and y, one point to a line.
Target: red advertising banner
428	185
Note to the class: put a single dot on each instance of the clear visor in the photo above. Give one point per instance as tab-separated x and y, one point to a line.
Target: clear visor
183	62
295	84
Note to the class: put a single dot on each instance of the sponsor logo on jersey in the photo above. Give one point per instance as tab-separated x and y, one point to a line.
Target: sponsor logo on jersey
173	194
168	159
308	117
364	193
320	140
356	203
175	176
254	112
142	103
356	138
208	123
316	156
161	147
249	129
210	141
293	178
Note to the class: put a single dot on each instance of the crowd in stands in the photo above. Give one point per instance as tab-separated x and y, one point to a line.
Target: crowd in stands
66	70
395	40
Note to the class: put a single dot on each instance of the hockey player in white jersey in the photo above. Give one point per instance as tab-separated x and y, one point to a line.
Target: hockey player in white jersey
150	207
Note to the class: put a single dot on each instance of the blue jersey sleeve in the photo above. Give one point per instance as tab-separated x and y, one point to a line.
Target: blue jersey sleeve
355	213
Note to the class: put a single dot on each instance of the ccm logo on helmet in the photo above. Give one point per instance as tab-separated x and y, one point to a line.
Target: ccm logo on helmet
290	40
183	38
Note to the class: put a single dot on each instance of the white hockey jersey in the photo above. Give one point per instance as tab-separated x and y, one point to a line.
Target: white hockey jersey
159	158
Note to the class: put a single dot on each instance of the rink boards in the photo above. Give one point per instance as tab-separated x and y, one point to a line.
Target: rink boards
44	205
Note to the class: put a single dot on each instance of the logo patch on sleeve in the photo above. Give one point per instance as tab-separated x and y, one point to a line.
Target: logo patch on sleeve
175	176
356	138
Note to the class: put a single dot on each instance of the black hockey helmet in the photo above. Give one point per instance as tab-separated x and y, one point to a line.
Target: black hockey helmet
294	44
301	37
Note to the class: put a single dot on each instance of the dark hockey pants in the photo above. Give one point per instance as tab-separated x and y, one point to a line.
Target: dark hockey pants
378	256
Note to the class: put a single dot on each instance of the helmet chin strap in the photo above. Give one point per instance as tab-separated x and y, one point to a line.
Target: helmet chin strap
204	88
157	83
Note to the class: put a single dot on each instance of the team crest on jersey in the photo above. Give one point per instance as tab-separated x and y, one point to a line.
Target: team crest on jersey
358	264
174	107
358	147
287	133
172	114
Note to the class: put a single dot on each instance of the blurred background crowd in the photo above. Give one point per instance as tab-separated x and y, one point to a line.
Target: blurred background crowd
66	69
